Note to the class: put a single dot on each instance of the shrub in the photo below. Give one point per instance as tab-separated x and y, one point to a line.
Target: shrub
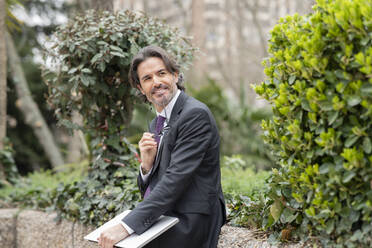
244	192
319	82
8	163
238	177
92	55
35	189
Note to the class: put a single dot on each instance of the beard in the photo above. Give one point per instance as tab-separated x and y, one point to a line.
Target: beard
166	97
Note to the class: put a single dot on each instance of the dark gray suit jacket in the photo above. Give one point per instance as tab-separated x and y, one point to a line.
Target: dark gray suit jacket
185	180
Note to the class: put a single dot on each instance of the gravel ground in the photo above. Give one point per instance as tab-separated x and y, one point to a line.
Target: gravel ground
234	237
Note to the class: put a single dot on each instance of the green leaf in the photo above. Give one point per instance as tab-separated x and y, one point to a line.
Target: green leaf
117	54
116	48
86	70
326	106
332	117
305	105
276	210
364	41
324	168
288	216
291	79
84	80
72	70
330	226
356	236
366	89
95	58
367	146
103	43
351	140
348	176
353	101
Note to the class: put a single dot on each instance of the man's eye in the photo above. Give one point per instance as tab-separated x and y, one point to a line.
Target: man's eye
162	73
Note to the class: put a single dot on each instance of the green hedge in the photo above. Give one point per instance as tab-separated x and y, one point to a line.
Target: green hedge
319	83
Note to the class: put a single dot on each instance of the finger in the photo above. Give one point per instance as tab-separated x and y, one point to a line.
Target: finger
109	243
148	148
147	135
149	143
103	240
104	243
152	137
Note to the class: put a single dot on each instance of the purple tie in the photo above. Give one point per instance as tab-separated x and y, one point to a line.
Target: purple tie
158	129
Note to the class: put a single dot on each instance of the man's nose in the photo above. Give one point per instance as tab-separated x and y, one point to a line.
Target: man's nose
156	81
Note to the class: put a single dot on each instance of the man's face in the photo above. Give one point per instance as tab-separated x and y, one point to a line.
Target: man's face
157	83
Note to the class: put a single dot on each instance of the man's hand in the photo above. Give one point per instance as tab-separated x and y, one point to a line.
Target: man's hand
112	235
148	148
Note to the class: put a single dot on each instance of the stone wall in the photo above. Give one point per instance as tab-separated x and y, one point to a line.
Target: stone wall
36	229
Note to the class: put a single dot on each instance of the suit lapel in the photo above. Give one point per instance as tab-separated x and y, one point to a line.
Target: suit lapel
174	116
152	126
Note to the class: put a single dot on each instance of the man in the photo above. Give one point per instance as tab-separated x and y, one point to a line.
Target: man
180	170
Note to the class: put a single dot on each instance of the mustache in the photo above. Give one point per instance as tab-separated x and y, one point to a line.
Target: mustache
158	87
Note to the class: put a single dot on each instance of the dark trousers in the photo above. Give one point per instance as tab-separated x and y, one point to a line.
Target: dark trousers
187	234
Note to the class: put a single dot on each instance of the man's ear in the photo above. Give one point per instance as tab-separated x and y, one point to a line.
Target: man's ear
140	89
176	76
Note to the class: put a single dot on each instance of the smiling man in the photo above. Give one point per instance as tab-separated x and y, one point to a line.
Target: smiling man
180	170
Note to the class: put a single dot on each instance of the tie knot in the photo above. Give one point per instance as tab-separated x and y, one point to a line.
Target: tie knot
159	123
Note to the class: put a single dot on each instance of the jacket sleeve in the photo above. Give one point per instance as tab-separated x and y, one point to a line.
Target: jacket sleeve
193	140
141	184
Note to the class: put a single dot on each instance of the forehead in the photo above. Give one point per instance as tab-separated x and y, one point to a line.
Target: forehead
150	65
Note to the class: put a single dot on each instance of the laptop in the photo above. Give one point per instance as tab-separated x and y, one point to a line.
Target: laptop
134	240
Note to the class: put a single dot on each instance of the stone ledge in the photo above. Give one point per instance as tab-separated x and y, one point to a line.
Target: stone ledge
36	229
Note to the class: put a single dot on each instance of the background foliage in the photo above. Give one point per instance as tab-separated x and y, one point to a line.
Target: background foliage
28	39
320	86
238	124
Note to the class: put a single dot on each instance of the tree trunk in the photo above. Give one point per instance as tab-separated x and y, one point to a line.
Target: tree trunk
145	6
76	141
2	83
253	8
96	4
242	58
29	108
198	33
103	4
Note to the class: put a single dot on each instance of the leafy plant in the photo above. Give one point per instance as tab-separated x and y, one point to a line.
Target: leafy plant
320	86
244	192
239	177
35	189
92	55
7	160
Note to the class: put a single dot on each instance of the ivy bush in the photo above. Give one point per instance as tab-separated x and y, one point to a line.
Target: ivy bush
319	83
92	55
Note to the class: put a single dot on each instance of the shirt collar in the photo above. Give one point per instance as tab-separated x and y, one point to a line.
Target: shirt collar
167	111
